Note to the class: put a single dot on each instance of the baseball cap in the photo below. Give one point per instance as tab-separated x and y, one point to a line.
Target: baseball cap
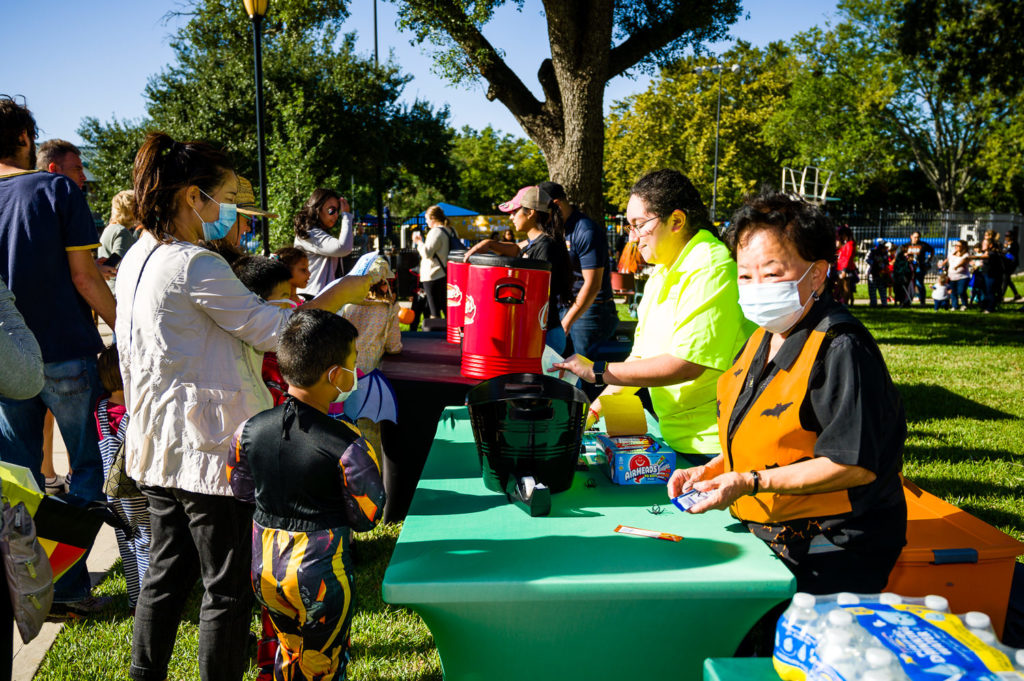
245	200
533	198
553	189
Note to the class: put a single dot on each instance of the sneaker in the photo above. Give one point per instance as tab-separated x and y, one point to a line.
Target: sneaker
58	484
90	606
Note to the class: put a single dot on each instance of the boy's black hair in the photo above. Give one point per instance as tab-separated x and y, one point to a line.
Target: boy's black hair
312	342
109	368
261	274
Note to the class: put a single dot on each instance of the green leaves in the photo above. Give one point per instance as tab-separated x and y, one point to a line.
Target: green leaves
332	116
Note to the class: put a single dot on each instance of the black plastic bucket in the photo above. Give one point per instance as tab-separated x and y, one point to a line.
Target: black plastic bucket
527	425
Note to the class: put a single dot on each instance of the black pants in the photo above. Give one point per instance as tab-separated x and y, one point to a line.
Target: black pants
437	296
193	536
823	573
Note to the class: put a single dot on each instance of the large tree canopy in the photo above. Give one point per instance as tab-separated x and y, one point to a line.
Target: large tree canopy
862	104
972	44
672	124
323	128
591	41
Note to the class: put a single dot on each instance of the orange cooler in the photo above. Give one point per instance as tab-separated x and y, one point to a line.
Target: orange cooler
951	553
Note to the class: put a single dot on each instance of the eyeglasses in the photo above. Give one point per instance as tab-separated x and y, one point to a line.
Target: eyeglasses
332	211
638	230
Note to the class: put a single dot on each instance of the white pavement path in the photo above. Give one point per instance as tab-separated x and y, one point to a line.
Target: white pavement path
27	658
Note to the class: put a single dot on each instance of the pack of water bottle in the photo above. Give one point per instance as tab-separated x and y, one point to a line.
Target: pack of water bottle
886	637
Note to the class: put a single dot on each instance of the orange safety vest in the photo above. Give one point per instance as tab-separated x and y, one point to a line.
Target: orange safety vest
770	435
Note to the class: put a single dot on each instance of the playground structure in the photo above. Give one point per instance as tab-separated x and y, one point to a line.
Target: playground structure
812	186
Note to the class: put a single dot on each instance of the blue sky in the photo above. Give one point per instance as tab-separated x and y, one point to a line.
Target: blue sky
99	58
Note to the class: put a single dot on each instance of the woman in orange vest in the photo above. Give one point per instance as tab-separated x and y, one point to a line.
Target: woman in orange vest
811	425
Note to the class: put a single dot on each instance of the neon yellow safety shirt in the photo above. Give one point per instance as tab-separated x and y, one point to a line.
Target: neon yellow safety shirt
690	310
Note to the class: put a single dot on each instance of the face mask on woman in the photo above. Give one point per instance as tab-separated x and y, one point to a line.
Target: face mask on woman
219	228
345	394
774	306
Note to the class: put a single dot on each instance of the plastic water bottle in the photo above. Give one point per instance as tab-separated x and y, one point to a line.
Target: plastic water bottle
801	613
841	626
978	621
890	599
936	603
847	598
883	665
842	660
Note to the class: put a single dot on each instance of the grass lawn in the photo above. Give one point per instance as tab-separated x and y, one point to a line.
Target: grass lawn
961	375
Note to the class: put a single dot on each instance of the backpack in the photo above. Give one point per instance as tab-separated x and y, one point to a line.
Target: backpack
453	243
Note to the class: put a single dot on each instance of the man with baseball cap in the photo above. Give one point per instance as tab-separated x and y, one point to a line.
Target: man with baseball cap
590	318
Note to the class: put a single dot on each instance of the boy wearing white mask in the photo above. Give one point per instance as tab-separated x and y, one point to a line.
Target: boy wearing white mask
313	479
689	328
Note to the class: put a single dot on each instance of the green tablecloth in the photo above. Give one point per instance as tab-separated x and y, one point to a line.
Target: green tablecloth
508	596
740	669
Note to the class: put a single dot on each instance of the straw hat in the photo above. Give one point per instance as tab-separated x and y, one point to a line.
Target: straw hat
245	200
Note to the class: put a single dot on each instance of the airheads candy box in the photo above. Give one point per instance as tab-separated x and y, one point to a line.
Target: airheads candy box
637	460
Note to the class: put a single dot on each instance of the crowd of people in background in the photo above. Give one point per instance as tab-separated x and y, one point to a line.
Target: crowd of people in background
980	275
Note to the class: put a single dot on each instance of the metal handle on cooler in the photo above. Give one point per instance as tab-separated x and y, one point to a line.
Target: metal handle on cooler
498	298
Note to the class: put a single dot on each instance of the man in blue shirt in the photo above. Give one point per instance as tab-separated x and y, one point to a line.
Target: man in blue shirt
591	318
46	240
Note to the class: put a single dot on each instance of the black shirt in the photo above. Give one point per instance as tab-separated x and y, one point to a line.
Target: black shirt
857	414
553	251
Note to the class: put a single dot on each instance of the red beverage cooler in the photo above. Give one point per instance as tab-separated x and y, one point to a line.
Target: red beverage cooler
505	312
458	272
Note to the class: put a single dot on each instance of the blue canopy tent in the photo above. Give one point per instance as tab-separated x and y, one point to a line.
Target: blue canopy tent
450	210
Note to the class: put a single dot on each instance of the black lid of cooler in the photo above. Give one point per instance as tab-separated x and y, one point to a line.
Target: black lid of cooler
491	260
457	256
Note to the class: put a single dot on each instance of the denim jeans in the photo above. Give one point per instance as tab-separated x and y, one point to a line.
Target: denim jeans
195	536
919	288
70	391
592	328
959	291
876	290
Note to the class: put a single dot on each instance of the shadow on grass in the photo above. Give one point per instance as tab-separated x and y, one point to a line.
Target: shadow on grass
924	402
956	454
892	326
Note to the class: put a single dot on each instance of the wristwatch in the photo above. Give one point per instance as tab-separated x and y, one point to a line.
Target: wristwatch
599	367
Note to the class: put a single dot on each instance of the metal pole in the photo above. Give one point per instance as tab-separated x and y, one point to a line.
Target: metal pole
718	119
257	30
380	198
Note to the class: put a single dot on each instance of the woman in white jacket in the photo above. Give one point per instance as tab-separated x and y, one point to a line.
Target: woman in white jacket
313	227
187	335
434	259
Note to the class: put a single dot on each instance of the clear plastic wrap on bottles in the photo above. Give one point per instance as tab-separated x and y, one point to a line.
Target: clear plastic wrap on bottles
887	637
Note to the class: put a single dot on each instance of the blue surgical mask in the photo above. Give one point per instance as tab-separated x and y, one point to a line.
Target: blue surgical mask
224	222
774	306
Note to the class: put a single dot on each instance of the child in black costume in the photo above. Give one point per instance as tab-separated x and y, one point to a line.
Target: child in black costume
313	479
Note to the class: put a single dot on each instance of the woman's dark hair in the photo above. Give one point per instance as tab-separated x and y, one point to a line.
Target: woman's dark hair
14	119
109	369
845	233
290	256
260	274
164	167
312	342
791	219
665	191
309	216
